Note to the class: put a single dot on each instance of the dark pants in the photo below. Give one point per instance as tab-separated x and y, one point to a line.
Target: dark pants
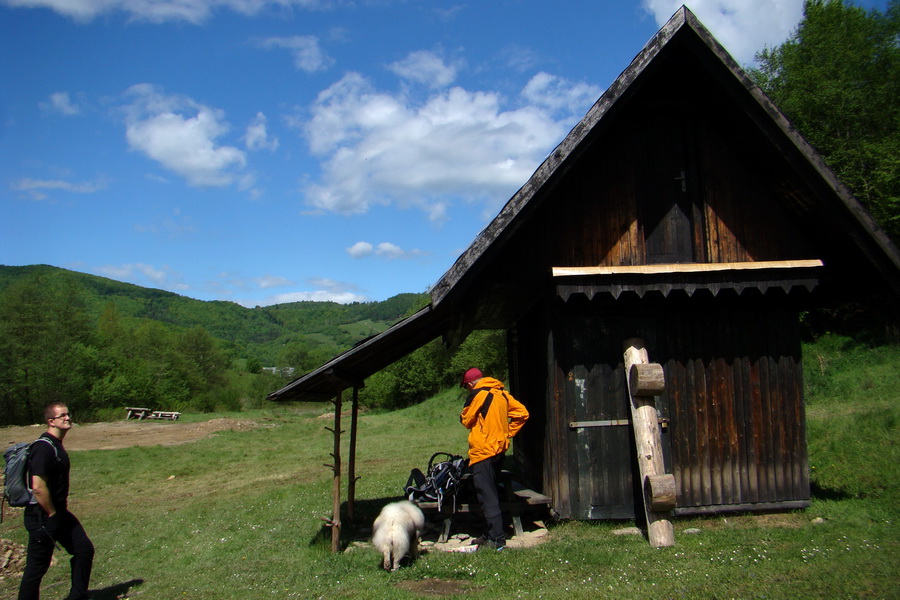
484	477
70	535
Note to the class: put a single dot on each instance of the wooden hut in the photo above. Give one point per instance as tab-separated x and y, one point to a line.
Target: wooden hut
683	210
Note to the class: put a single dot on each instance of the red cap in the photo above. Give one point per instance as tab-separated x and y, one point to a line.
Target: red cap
472	374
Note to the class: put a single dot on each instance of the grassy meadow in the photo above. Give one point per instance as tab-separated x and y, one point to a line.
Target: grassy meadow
238	514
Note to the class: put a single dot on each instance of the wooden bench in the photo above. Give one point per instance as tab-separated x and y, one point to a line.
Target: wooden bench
137	413
164	414
517	499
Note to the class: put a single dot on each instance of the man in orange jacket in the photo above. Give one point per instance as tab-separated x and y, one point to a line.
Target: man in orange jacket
493	417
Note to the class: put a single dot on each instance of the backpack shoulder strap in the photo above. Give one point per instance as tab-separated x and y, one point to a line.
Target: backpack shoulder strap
486	405
52	445
28	462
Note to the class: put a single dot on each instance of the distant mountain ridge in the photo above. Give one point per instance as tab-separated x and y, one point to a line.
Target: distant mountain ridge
260	330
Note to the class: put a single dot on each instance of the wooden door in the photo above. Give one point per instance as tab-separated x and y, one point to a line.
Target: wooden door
596	441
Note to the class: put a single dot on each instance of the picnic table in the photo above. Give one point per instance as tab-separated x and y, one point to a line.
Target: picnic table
165	414
137	413
146	413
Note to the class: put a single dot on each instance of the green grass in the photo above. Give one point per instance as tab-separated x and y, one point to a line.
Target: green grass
853	414
365	327
237	515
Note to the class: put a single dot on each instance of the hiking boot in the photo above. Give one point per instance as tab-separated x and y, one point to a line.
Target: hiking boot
484	543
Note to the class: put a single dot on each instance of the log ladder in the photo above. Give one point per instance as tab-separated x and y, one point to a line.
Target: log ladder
645	381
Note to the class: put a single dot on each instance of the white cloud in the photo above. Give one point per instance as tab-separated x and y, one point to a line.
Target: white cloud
426	68
520	58
269	281
181	134
257	136
385	250
559	95
60	103
382	148
327	290
360	249
157	11
315	296
144	274
388	250
308	56
36	188
332	285
742	26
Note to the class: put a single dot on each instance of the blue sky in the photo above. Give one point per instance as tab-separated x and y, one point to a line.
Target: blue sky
263	151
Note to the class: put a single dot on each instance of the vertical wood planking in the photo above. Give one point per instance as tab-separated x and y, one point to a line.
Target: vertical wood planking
732	415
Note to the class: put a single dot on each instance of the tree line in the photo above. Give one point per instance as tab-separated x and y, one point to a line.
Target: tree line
53	347
837	78
52	350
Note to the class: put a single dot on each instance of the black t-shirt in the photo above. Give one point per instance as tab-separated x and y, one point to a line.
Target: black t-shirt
53	467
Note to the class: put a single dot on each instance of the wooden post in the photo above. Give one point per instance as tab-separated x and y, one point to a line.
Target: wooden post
351	461
661	492
645	421
336	489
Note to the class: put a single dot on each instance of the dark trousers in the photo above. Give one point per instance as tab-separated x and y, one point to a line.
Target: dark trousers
71	536
484	477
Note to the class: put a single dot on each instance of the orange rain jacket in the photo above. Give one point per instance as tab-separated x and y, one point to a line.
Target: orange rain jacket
493	417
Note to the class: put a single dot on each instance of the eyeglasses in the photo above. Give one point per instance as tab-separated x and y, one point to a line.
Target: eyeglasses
62	416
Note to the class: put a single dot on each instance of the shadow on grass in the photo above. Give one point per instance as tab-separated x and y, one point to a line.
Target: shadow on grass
120	590
823	493
359	529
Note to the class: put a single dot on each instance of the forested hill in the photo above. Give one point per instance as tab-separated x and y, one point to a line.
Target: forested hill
258	331
100	345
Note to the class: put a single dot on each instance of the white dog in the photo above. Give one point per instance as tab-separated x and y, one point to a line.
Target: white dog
396	532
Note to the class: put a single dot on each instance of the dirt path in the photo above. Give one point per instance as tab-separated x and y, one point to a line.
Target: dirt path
124	434
109	436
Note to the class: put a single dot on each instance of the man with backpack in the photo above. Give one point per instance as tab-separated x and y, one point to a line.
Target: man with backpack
48	520
493	417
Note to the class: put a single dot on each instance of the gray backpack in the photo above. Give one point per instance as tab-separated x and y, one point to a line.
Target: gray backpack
16	487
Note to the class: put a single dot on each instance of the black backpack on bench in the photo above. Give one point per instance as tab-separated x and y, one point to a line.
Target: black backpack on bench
443	479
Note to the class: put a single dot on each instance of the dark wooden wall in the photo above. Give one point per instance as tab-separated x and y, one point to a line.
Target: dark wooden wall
735	399
735	437
618	208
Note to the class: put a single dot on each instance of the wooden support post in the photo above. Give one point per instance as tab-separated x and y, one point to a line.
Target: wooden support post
336	489
645	421
661	492
646	379
351	461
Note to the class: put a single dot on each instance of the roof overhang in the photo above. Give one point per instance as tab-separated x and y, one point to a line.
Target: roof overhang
687	278
369	356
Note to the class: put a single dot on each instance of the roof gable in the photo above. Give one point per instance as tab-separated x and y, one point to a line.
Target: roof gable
681	40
